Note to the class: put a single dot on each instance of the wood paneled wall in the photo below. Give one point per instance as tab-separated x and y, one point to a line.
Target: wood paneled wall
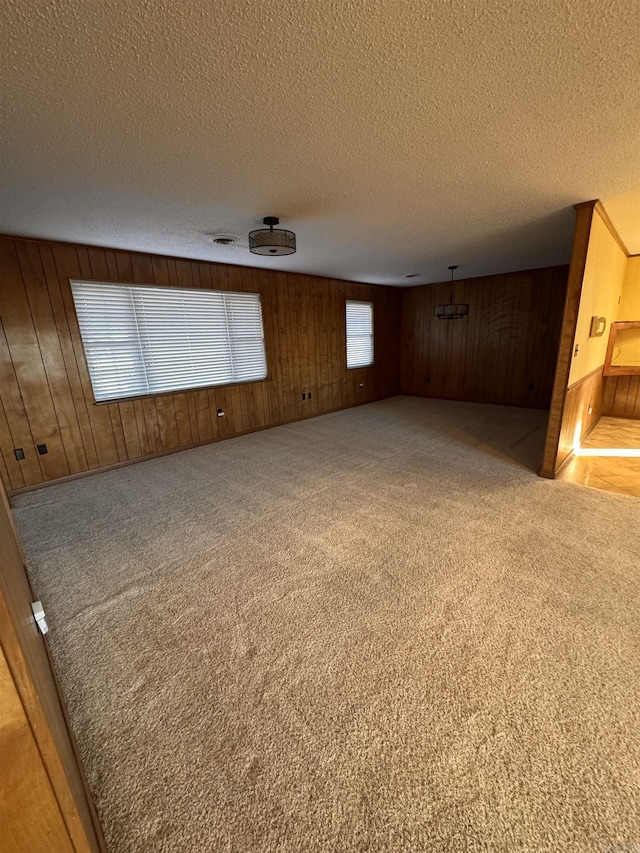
45	391
622	396
583	395
503	352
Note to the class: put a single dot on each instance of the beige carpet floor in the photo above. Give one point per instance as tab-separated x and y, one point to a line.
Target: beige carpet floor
377	630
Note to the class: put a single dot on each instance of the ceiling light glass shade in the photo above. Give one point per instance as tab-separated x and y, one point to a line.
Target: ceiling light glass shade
272	241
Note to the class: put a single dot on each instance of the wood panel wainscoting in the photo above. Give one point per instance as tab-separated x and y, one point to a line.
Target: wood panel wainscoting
622	396
583	395
503	352
45	390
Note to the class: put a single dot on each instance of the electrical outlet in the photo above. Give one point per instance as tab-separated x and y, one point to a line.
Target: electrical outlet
18	453
42	449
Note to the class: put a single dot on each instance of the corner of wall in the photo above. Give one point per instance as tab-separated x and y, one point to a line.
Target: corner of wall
629	308
597	279
601	293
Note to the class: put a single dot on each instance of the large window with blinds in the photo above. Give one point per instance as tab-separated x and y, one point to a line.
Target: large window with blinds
359	334
142	340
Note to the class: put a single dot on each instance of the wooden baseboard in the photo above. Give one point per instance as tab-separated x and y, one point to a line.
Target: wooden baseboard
629	417
571	455
562	465
589	431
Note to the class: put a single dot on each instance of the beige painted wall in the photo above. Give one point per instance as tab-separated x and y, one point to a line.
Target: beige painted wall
601	292
629	308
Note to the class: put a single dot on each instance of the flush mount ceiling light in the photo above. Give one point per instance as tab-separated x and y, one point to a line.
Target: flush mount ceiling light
452	311
272	241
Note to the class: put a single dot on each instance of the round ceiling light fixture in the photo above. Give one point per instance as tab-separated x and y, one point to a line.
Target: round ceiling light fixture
272	241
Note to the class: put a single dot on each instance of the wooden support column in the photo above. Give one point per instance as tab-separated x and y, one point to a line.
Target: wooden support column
584	218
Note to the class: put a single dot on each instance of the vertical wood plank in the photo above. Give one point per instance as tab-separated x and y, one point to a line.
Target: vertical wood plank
142	269
167	424
68	267
138	411
130	430
52	356
118	432
69	354
183	422
151	425
32	398
98	264
12	473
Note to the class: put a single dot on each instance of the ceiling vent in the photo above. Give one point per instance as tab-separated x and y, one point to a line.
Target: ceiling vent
224	239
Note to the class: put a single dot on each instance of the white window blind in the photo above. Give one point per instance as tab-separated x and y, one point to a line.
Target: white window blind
148	340
359	334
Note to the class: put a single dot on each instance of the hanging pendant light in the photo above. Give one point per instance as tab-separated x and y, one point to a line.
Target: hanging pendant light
452	311
272	241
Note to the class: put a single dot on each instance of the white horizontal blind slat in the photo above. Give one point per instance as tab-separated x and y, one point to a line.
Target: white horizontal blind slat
359	334
149	340
111	340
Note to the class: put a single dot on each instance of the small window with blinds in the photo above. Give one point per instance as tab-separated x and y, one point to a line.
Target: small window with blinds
142	340
359	334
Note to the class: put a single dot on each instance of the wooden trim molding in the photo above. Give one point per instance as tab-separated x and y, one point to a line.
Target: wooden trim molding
623	416
584	378
612	230
599	207
619	370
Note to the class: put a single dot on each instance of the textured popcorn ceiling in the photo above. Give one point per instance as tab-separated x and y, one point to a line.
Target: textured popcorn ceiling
392	137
